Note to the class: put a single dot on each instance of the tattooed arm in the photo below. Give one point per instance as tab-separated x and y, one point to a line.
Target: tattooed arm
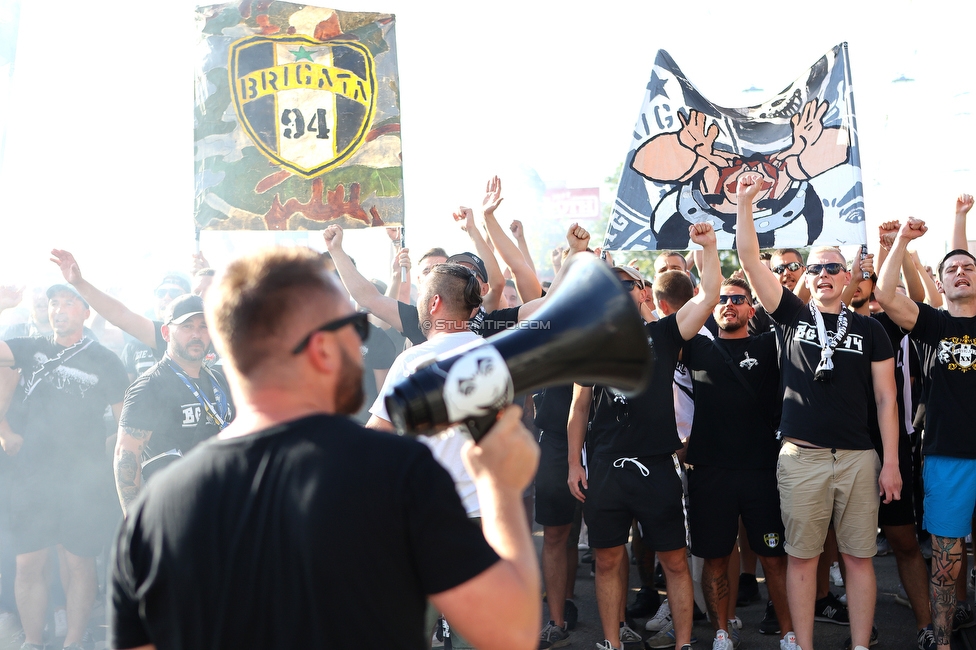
127	462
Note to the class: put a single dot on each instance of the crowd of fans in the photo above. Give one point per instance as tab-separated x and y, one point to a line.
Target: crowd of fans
784	400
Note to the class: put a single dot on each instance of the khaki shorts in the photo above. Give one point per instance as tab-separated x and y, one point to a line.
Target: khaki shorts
820	485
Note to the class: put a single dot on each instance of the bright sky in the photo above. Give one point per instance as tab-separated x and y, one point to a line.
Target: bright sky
99	127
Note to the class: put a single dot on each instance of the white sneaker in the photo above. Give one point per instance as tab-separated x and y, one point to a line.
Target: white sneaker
659	620
722	641
843	598
605	645
60	622
835	575
736	623
788	642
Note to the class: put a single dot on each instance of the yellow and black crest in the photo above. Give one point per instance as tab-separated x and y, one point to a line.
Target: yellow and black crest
306	104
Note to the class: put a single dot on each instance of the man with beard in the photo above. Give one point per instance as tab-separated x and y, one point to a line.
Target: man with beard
265	536
176	404
732	456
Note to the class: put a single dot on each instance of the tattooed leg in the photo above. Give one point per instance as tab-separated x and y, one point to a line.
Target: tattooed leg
715	586
946	558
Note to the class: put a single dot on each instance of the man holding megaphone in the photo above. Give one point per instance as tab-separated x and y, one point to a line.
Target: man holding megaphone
633	471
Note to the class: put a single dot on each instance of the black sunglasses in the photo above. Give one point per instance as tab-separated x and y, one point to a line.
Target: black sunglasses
630	284
833	268
359	320
736	299
792	266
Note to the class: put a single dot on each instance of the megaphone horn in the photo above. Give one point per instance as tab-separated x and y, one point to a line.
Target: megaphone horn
589	331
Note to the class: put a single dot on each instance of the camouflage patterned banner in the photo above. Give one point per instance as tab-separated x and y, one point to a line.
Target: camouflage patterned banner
297	118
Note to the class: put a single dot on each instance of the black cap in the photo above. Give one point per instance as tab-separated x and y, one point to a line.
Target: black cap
473	260
65	288
175	279
183	307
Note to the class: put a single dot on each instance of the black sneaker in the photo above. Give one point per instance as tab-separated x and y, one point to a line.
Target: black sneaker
830	610
645	603
872	642
963	617
571	614
748	590
769	624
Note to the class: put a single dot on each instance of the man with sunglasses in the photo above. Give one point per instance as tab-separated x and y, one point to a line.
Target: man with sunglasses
787	264
265	536
732	454
832	362
948	448
177	404
632	469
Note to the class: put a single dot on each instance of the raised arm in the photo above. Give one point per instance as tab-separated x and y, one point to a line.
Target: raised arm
963	205
930	292
496	281
693	314
361	289
526	282
900	308
578	239
10	296
579	417
764	282
398	289
518	232
111	309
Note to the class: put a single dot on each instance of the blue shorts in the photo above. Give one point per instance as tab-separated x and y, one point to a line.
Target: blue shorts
950	495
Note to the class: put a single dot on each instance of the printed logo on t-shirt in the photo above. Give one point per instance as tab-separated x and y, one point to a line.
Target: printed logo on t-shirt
71	381
806	333
748	363
191	414
771	539
958	353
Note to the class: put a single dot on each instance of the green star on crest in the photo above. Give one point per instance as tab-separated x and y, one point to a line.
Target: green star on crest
302	53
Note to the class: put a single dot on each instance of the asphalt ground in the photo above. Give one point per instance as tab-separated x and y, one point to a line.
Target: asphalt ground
895	622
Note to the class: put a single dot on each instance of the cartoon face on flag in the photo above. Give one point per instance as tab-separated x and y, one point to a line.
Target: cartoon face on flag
688	153
297	120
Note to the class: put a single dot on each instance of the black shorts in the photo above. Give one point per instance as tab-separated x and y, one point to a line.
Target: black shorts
74	509
718	496
902	511
555	505
619	492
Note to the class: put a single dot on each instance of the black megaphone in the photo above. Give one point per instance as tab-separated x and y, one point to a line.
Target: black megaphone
588	332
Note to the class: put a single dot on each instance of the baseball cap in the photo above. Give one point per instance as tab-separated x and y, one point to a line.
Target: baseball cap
632	273
473	260
183	307
177	279
65	288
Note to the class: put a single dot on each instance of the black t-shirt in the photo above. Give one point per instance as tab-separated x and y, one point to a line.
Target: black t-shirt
951	382
378	354
137	357
552	410
160	402
642	425
733	427
483	323
269	541
62	417
827	413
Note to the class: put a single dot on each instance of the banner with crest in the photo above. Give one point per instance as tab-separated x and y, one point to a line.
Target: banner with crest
296	119
687	153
